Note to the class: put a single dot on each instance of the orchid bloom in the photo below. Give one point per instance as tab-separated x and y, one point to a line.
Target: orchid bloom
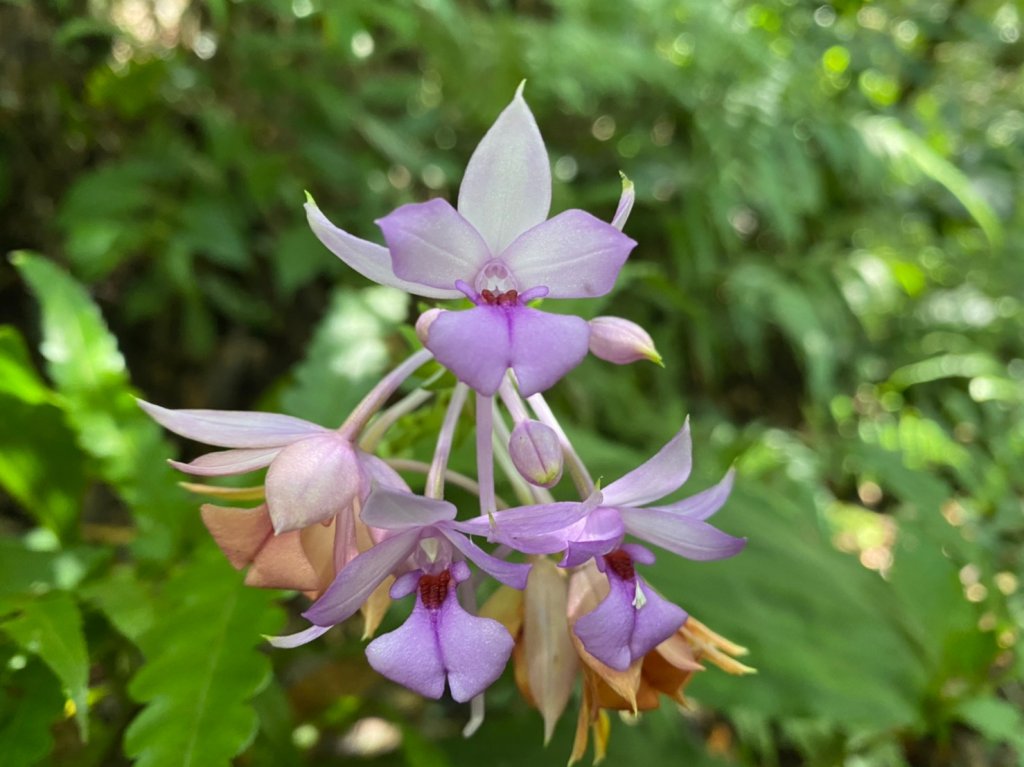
501	251
632	619
439	641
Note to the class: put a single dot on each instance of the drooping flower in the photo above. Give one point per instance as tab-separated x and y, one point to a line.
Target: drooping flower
632	619
500	250
439	641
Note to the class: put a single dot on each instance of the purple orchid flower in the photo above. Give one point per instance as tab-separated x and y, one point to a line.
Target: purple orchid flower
500	250
596	527
439	641
315	473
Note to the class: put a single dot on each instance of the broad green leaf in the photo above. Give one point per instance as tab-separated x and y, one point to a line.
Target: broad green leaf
84	361
18	376
204	663
51	627
125	600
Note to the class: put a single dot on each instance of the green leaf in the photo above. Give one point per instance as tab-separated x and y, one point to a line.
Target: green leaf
996	719
30	702
347	355
204	665
83	359
51	627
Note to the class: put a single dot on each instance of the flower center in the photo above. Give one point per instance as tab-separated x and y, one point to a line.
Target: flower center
434	589
620	563
495	278
508	298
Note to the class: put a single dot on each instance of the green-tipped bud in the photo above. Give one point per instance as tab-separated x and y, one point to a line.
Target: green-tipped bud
620	341
536	453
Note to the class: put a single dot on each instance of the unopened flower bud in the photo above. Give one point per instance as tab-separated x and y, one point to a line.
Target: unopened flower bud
424	322
620	341
536	453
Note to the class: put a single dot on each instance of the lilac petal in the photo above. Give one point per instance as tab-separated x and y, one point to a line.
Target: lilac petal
369	259
354	584
379	473
411	655
405	584
311	481
601	533
539	529
625	204
656	620
663	474
606	630
431	244
510	573
545	347
475	650
397	510
506	188
681	535
574	255
297	640
474	345
703	504
232	428
225	463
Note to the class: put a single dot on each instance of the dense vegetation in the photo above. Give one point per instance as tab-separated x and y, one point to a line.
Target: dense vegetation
830	218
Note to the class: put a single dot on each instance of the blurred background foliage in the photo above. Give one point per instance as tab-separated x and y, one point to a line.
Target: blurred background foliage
830	222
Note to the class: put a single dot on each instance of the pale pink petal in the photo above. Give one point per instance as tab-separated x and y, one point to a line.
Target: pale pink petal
474	345
431	244
545	347
573	255
369	259
300	638
379	473
311	481
397	510
353	585
233	428
225	463
506	188
663	474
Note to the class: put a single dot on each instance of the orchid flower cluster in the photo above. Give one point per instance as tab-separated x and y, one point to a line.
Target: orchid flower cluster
342	525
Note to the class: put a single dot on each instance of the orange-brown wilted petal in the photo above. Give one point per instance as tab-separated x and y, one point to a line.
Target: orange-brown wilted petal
376	607
551	661
282	564
318	545
240	533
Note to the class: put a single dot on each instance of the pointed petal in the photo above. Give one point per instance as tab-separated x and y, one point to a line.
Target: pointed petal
573	255
686	537
656	620
231	428
379	473
396	510
625	203
542	529
369	259
411	654
474	650
353	585
550	659
663	474
431	244
240	533
474	345
225	463
302	637
311	481
545	347
318	546
507	185
703	504
510	573
282	564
